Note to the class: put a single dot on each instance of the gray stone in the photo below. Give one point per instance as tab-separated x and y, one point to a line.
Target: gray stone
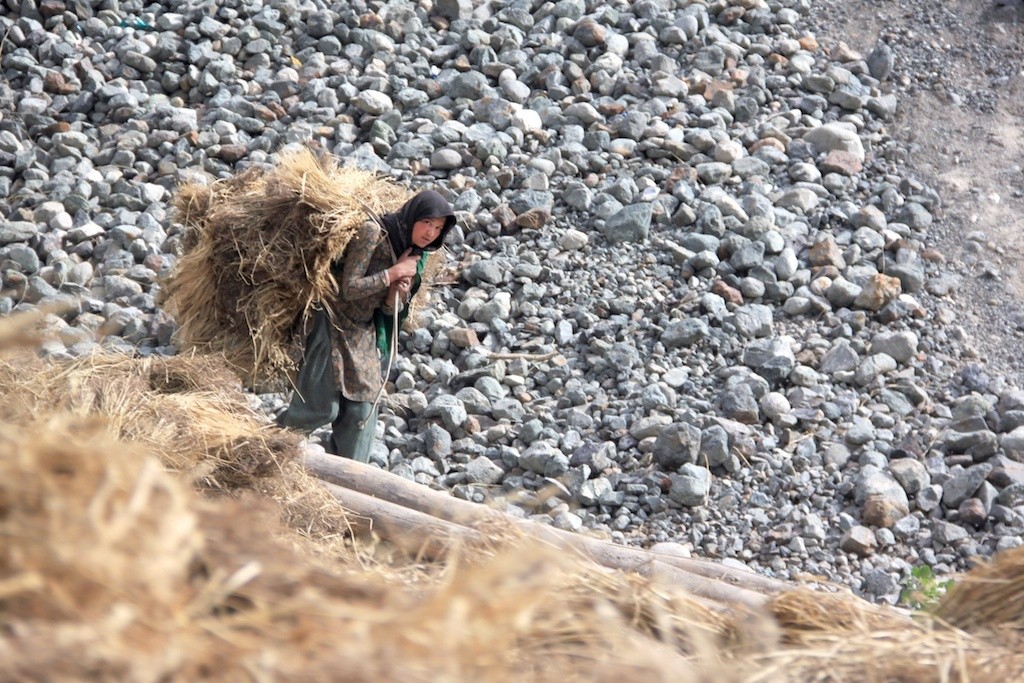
445	159
880	583
450	409
438	442
684	333
714	446
16	231
948	533
901	346
1013	441
630	224
962	485
508	409
881	62
677	445
454	9
593	490
738	403
839	358
928	498
771	358
1005	471
981	442
595	455
835	136
911	474
906	529
543	458
483	471
873	482
1012	495
858	540
691	486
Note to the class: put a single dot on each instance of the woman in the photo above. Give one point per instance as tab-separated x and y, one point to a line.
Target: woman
340	378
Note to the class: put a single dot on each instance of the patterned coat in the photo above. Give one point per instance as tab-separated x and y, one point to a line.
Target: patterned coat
363	289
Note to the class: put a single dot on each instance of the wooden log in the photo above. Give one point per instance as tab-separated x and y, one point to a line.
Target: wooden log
421	534
731	585
412	531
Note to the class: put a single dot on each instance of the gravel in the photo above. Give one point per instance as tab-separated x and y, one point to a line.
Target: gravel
685	228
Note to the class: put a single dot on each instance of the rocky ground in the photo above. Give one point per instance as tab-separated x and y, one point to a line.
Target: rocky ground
740	277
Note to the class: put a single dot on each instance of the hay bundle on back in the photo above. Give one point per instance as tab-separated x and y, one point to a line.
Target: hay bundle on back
259	249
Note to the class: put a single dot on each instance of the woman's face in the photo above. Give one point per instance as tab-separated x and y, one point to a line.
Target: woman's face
426	230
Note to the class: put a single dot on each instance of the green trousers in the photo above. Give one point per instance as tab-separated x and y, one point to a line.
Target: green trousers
353	431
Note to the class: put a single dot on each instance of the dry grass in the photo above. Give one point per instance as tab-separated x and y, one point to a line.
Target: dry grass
154	528
834	639
992	595
258	254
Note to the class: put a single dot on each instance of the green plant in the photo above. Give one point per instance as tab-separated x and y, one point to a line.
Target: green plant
923	589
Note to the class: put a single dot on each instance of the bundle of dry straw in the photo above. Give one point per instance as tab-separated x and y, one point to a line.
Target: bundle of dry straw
113	569
259	248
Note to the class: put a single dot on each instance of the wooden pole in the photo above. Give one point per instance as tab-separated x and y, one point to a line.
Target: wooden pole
421	534
412	531
719	583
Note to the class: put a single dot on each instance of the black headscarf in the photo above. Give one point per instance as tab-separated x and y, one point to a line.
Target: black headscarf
426	204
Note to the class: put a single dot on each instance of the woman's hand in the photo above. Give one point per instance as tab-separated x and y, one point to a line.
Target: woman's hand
404	268
400	290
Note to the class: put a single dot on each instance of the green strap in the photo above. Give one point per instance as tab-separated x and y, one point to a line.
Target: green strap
383	322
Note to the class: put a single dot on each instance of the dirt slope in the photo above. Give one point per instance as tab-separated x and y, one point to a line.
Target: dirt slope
960	75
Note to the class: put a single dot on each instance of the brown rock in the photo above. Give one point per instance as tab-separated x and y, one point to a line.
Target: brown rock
972	511
767	142
845	53
55	82
51	8
533	219
611	108
277	109
730	15
589	32
841	161
463	337
827	253
57	127
471	425
882	511
712	88
730	294
371	20
232	153
808	43
504	214
878	291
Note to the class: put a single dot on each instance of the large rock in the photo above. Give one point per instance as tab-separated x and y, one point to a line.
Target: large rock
889	499
630	224
771	358
691	487
677	445
836	136
962	485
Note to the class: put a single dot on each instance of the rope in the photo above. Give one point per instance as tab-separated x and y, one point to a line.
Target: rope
393	351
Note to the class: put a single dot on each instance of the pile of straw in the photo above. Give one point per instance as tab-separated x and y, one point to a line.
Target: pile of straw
116	564
190	412
990	600
258	254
